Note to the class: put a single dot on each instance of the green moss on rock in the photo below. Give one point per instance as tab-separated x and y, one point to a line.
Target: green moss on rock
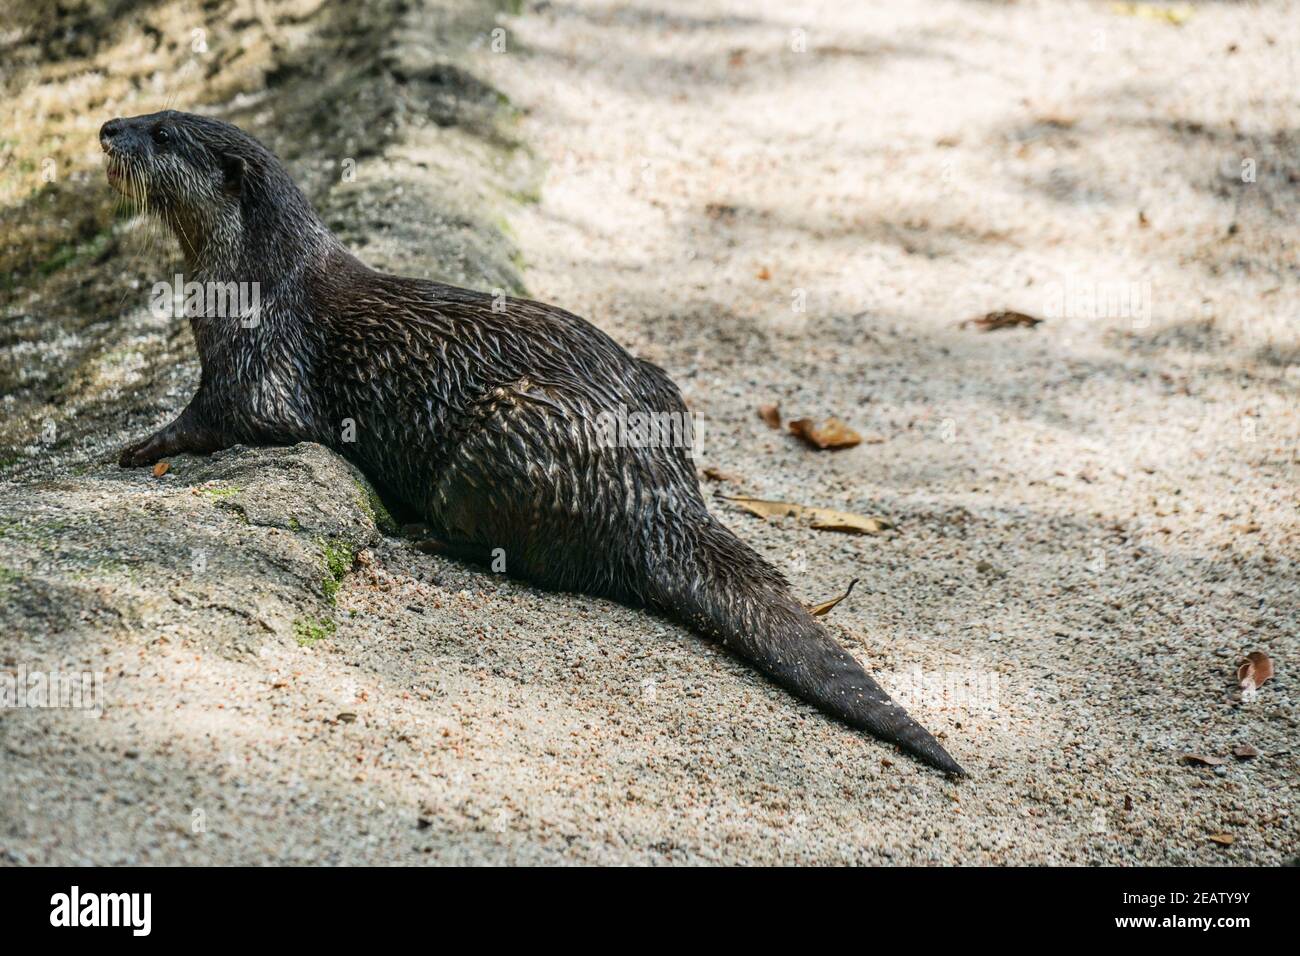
308	631
338	561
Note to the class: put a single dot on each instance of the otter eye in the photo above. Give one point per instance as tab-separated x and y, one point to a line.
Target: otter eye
161	136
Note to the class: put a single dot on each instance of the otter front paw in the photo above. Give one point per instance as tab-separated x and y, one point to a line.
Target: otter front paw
143	453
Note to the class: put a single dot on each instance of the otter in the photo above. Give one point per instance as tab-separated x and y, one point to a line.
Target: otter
482	415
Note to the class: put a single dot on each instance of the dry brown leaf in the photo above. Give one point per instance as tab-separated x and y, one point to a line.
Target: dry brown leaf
1257	668
766	509
1002	319
831	434
161	468
1223	839
1204	760
822	519
818	610
717	474
1244	752
771	415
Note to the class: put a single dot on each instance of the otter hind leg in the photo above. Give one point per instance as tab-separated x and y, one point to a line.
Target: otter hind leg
526	488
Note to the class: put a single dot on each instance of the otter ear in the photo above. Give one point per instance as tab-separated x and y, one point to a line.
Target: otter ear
232	173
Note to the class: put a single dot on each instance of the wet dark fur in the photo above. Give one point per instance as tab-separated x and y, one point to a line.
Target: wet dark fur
482	421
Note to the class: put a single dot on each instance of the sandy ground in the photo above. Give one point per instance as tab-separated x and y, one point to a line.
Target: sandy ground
1095	518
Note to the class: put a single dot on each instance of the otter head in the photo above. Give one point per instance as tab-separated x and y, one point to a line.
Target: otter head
222	193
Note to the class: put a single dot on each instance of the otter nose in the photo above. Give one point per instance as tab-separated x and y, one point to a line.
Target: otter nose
109	131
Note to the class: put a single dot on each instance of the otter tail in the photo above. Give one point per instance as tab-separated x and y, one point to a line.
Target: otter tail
715	583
